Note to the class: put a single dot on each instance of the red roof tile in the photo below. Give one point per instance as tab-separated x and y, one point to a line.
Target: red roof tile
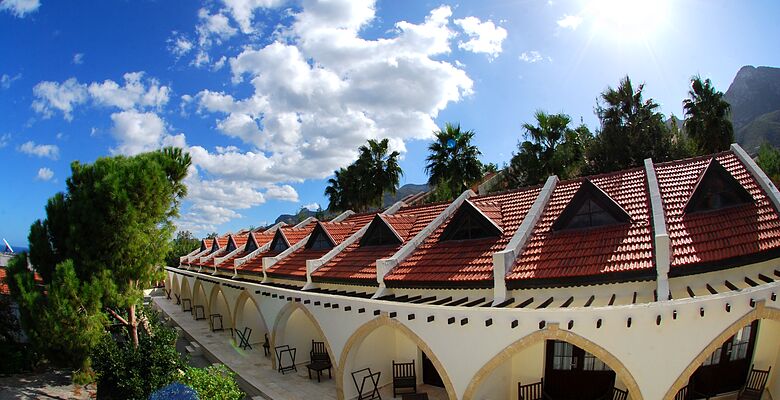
708	238
293	235
359	262
465	262
621	248
294	265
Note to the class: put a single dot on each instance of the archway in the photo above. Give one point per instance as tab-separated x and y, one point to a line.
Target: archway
765	353
175	287
377	344
199	299
248	315
535	345
218	304
185	292
297	327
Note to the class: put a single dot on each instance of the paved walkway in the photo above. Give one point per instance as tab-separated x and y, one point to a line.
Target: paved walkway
255	369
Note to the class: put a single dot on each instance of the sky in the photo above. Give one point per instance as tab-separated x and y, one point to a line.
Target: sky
271	96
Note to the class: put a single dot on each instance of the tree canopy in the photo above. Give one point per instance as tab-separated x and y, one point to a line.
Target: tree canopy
707	117
183	244
554	148
453	160
362	184
632	129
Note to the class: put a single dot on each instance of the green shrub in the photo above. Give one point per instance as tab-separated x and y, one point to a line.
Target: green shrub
213	383
124	372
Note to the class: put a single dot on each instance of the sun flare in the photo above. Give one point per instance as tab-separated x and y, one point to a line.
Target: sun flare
627	20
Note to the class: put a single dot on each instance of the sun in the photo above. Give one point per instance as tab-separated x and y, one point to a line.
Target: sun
627	20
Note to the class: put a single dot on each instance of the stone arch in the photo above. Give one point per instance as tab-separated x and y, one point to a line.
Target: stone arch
175	286
366	329
240	317
185	292
280	324
758	313
199	293
218	303
553	333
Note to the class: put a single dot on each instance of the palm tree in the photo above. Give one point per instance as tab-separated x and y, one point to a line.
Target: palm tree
554	149
453	159
364	182
707	113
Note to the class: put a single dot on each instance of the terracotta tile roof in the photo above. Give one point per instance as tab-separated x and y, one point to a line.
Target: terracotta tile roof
240	240
626	248
717	237
358	263
293	235
222	241
294	265
465	262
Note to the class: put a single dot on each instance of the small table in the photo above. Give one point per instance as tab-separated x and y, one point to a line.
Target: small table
213	318
186	305
281	351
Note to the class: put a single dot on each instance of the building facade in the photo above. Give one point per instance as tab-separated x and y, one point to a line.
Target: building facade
648	280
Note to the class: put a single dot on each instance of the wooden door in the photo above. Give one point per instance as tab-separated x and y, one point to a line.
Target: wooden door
430	374
726	369
571	373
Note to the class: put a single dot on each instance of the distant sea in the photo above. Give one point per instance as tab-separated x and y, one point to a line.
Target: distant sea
17	249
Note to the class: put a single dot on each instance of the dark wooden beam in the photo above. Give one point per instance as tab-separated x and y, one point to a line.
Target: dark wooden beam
567	302
525	303
546	303
442	301
612	299
750	282
474	303
690	291
731	285
590	301
711	289
765	278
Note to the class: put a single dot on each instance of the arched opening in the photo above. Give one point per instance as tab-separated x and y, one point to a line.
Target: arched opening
248	315
383	341
186	292
723	366
218	305
570	366
175	287
296	327
199	300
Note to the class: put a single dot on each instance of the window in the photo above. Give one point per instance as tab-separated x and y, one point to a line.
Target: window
251	245
320	242
279	244
563	356
379	234
469	223
590	207
231	245
740	343
715	190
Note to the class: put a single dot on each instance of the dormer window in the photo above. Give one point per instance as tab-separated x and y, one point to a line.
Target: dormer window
716	189
319	240
251	245
203	245
469	222
590	208
279	244
379	233
231	245
215	246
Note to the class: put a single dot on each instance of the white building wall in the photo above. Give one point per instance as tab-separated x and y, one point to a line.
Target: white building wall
767	352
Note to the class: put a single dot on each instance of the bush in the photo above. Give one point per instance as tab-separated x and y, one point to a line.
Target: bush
213	383
124	372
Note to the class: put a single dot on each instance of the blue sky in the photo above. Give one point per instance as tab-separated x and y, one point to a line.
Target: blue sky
270	96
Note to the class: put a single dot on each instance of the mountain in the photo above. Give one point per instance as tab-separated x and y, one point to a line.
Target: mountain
754	96
402	192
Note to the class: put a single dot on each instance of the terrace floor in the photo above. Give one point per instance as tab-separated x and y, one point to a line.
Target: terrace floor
254	368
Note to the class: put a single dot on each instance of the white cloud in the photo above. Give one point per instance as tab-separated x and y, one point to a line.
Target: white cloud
6	80
484	37
312	206
214	27
4	140
44	174
20	8
137	131
531	56
243	11
78	58
40	150
134	94
179	45
50	96
570	22
283	192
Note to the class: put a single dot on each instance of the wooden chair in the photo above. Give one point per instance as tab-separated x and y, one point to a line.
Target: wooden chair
532	391
244	338
688	392
682	394
404	377
754	385
617	394
319	360
289	352
366	376
266	346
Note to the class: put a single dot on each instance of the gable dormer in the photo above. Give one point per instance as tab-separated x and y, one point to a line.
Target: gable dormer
203	246
231	244
320	239
380	233
716	189
214	245
469	222
280	243
590	208
251	243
